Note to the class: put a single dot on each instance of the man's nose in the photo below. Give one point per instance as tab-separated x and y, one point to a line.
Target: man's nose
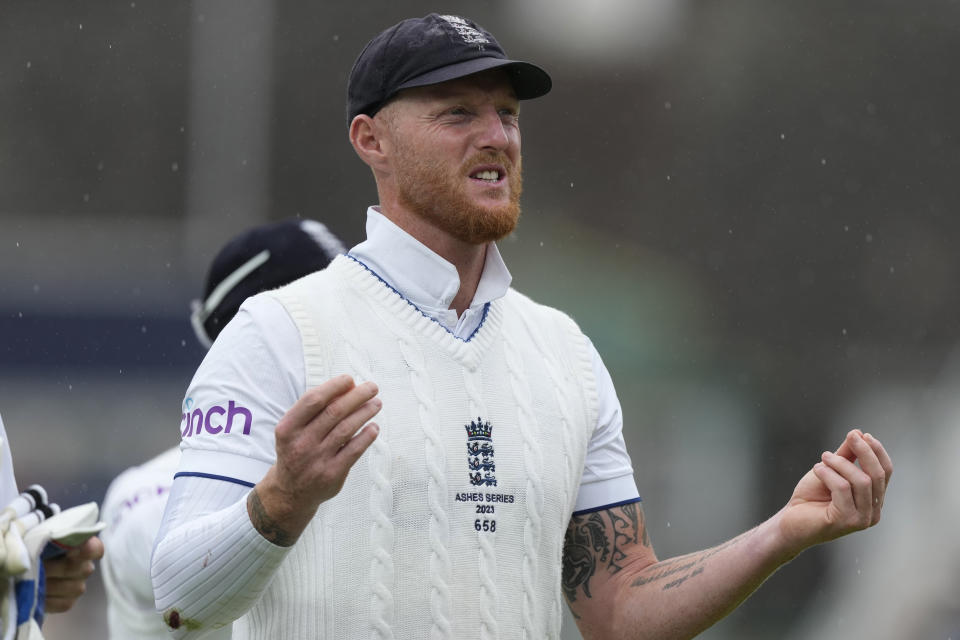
492	133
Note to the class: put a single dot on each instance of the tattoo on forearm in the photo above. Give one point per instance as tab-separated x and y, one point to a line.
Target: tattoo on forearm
675	572
266	525
596	541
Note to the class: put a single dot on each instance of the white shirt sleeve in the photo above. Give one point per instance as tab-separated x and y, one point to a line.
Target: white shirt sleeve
209	563
607	474
251	376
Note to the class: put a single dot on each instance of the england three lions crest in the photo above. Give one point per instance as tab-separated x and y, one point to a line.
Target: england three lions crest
480	453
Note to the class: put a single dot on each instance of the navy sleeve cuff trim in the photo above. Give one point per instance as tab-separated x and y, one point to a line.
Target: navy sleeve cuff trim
607	506
212	476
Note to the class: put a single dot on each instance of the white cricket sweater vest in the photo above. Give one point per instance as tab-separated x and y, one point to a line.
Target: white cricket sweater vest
451	525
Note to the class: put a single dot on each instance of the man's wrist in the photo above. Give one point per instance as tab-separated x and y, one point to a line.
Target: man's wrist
276	518
772	541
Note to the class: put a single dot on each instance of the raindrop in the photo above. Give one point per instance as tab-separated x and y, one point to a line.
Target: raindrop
143	328
183	343
571	185
667	105
174	166
336	38
69	387
86	197
541	243
869	237
81	26
29	64
20	314
36	288
843	331
892	269
823	162
783	136
668	525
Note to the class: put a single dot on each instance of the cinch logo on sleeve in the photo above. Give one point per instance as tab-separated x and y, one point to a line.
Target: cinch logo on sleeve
216	419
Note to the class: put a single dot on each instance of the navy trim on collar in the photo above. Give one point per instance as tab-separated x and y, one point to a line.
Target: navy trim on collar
486	306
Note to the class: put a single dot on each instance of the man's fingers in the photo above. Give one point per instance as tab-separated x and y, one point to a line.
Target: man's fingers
885	462
77	562
314	401
846	447
839	488
870	463
67	568
344	409
91	549
359	443
65	588
881	476
860	487
345	430
58	605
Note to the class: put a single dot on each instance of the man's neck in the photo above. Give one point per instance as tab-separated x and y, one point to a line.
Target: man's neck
468	259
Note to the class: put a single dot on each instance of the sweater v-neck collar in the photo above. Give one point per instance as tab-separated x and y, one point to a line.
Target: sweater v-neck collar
424	279
394	307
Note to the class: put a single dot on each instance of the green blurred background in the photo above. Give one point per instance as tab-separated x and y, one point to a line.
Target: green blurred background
751	208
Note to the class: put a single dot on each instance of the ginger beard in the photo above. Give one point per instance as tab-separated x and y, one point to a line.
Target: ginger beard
437	193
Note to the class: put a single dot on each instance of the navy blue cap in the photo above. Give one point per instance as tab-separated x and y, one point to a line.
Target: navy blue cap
259	259
422	51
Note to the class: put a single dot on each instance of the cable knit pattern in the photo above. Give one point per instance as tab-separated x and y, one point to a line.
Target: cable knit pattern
532	463
381	506
418	544
566	419
436	493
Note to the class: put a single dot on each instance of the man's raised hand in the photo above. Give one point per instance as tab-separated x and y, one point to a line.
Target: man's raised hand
842	493
318	441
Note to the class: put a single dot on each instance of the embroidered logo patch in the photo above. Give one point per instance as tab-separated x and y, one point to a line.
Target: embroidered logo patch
465	31
480	453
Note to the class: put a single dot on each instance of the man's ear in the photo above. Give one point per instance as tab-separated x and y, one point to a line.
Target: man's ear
368	137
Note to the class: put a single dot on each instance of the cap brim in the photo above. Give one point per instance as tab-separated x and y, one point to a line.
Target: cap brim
529	80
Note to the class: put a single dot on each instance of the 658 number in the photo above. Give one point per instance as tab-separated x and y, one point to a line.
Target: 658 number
485	525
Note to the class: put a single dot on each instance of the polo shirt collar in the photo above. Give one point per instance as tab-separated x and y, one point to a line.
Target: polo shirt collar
419	274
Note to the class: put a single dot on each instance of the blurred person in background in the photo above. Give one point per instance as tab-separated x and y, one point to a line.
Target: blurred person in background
261	258
64	576
274	525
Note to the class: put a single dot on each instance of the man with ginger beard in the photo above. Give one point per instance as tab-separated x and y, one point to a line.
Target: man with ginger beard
496	480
